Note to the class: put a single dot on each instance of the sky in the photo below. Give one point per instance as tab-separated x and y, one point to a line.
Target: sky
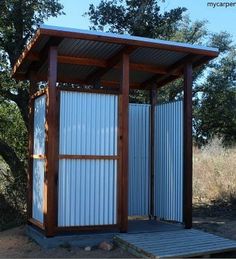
219	18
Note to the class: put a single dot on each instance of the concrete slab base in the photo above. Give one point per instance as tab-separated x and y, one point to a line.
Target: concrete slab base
78	240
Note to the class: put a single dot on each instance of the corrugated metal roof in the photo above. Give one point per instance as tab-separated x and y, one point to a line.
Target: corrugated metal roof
147	58
127	37
155	56
86	48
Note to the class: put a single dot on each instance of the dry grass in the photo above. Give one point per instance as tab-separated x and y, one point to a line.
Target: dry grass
214	174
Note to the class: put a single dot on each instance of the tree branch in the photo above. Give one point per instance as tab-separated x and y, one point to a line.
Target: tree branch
10	157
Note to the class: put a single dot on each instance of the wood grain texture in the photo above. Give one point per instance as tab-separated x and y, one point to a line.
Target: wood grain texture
50	182
124	144
88	157
180	243
187	163
153	101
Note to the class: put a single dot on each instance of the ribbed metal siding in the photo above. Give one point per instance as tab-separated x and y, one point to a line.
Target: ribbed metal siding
169	161
88	124
38	187
38	164
139	161
39	125
87	191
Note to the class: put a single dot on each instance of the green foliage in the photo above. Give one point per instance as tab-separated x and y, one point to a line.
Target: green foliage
216	114
18	21
135	17
214	84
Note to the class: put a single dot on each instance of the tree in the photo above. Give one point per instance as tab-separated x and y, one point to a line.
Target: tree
144	18
135	17
18	21
215	116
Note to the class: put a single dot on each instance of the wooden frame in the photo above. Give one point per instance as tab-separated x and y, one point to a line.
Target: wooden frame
187	156
119	60
50	182
123	144
153	101
52	156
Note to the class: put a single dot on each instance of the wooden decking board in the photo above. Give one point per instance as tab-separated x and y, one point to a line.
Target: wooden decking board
175	243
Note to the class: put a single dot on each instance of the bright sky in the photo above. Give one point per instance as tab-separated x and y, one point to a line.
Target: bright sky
219	18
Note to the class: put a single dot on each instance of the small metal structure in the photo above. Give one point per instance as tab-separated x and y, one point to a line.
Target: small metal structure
95	159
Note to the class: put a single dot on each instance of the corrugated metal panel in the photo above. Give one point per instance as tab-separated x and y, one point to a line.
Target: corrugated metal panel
87	192
39	125
135	76
139	159
155	56
38	189
169	161
88	124
87	188
87	48
38	164
127	37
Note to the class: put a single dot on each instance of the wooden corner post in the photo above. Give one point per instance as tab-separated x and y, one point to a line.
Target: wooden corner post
124	144
187	156
153	101
50	181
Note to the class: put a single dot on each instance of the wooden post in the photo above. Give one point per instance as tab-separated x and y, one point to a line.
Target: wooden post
124	144
153	101
50	182
187	163
32	90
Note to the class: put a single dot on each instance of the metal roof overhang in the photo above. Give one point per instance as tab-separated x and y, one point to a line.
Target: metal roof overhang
89	57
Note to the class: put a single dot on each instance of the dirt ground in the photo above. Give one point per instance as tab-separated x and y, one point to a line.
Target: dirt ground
15	244
219	220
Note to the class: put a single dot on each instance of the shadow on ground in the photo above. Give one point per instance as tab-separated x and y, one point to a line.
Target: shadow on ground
217	217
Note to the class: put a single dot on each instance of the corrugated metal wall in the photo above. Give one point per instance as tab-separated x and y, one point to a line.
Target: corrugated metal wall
38	187
169	161
139	159
39	125
87	193
88	124
38	164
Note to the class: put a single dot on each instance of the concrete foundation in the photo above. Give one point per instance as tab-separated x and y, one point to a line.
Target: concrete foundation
78	240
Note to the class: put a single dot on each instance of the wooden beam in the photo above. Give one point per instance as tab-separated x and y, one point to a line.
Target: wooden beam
90	157
43	55
103	63
187	163
82	61
153	101
32	89
104	83
123	144
50	183
175	68
115	59
89	90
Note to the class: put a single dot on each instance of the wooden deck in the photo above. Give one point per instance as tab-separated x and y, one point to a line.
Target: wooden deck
170	240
